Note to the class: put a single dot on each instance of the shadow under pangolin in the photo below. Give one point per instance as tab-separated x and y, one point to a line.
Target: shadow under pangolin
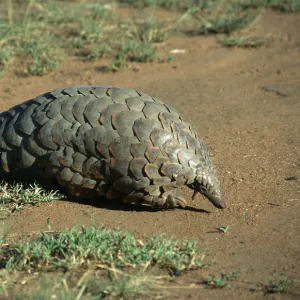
28	178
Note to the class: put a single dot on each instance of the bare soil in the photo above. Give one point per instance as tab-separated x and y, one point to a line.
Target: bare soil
245	104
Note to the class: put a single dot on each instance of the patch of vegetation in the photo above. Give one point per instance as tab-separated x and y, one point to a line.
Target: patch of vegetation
114	263
222	280
38	36
286	6
14	196
27	38
41	58
224	228
90	285
245	41
137	42
71	248
291	178
178	5
48	31
277	286
221	16
183	5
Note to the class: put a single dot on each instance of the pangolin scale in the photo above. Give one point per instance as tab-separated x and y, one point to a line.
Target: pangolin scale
111	142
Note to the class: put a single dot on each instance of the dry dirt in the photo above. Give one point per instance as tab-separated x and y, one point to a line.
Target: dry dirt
245	104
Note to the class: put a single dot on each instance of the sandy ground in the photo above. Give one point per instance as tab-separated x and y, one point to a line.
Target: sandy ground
245	104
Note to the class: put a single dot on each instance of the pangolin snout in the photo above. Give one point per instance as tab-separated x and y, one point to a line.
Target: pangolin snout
211	193
216	200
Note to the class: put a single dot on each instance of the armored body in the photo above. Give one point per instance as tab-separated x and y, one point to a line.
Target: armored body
108	141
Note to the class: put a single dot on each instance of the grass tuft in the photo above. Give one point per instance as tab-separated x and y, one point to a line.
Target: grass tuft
72	248
285	6
277	286
221	16
41	58
14	196
89	286
224	228
93	263
43	33
244	41
222	280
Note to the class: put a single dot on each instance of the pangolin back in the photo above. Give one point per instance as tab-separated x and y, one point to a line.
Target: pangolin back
108	141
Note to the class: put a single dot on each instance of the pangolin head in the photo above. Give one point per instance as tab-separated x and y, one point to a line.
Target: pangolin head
207	184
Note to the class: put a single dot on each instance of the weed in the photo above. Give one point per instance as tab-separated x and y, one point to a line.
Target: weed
244	41
42	58
291	178
98	51
139	51
133	284
224	228
6	54
118	62
13	197
222	17
92	32
277	286
177	5
222	280
45	31
286	6
151	31
71	248
89	286
128	263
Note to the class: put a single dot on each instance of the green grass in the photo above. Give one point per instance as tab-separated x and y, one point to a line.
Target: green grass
277	286
96	261
224	228
220	16
47	33
36	39
222	280
285	6
14	196
74	248
115	284
39	37
244	41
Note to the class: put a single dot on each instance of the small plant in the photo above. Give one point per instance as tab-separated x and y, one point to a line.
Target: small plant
89	286
220	16
6	54
41	57
98	51
287	6
151	30
71	248
13	197
224	228
290	178
245	41
222	280
140	51
277	286
118	62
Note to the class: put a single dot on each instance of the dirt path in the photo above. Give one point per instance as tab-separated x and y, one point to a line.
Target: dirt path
245	104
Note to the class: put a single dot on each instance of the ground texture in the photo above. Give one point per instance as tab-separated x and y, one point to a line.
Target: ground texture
245	104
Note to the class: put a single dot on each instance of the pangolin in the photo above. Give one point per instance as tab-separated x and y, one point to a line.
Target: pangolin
109	141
